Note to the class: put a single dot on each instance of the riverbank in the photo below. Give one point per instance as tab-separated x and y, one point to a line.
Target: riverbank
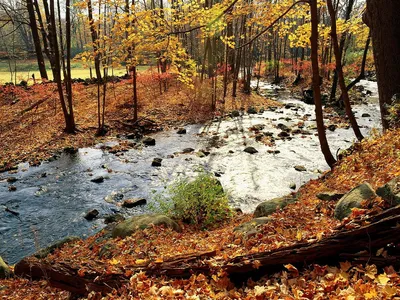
308	220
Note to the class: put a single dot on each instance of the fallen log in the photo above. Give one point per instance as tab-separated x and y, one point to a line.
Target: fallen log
358	244
36	104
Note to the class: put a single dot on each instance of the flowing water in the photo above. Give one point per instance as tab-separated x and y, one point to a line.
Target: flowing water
53	198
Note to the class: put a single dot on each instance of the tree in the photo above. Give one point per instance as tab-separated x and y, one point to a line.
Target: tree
383	17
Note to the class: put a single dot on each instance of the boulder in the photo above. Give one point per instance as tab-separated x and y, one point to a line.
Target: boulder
201	154
332	127
11	179
5	271
267	208
292	186
156	162
250	150
91	214
42	253
365	115
235	113
353	199
148	141
135	223
130	203
330	196
390	192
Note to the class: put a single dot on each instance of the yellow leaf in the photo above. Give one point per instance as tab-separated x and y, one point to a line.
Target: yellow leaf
114	261
383	279
390	290
140	261
299	235
371	294
371	271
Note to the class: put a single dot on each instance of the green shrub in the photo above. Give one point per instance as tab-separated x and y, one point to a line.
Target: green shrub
200	201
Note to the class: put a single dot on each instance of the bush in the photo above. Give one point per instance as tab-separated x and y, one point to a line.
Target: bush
200	201
393	116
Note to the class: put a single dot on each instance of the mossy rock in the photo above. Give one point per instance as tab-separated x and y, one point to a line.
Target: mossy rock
390	192
42	253
330	196
267	208
251	225
5	271
353	199
133	224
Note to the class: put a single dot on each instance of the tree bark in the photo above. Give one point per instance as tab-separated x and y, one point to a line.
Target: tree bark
316	86
383	17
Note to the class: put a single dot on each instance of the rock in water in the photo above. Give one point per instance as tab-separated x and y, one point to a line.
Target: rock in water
98	179
390	192
5	271
251	111
250	150
300	168
133	224
181	131
148	141
90	215
187	150
129	203
156	162
353	199
267	208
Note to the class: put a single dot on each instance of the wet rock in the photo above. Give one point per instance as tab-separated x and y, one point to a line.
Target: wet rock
42	253
283	134
267	208
231	151
12	179
290	105
5	271
132	136
332	127
201	154
12	188
181	131
252	225
274	151
330	196
283	127
70	150
170	156
390	192
352	199
113	197
257	127
268	133
156	162
250	150
98	179
130	203
135	223
92	214
292	186
108	219
148	141
300	168
187	150
235	113
251	111
259	137
238	210
365	115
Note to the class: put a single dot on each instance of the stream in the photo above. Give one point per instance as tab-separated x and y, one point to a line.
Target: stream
53	198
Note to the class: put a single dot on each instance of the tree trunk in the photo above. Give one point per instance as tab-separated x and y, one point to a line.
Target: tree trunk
36	40
316	86
339	71
383	17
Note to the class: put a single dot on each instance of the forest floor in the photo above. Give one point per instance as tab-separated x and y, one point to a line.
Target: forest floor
35	135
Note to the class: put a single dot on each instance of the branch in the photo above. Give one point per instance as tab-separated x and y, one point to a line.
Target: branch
272	24
226	10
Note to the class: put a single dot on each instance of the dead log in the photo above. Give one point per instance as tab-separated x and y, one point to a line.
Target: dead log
36	104
359	244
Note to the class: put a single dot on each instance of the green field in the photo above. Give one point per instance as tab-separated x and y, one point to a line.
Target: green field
25	69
